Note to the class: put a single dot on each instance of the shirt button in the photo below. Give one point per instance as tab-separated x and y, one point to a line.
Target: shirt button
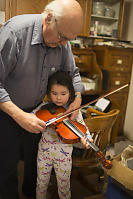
53	69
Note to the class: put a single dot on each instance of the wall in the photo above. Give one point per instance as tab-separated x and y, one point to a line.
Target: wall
128	35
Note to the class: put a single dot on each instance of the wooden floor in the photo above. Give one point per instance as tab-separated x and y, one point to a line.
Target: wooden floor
78	191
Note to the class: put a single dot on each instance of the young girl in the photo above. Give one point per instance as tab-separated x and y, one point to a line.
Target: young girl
52	152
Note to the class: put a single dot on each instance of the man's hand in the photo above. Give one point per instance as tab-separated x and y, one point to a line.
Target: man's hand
74	105
28	121
31	123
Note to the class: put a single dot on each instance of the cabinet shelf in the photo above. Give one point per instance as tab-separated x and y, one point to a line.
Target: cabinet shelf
111	1
103	17
102	37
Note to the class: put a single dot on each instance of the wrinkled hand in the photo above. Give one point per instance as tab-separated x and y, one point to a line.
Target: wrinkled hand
74	105
84	142
31	123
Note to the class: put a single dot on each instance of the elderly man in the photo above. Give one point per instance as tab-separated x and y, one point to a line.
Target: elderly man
32	47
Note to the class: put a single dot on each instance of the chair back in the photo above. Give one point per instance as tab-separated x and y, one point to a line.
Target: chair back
99	125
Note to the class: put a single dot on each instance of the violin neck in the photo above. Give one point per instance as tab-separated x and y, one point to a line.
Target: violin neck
93	146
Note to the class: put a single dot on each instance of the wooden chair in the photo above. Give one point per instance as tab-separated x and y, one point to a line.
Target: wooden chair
100	125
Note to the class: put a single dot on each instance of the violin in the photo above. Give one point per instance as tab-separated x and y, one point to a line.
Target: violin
69	131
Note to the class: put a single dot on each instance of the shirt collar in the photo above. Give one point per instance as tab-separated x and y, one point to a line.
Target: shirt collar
37	36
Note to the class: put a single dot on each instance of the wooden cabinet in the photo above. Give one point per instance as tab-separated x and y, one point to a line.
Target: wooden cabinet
102	24
86	62
11	8
2	11
29	6
86	7
107	18
7	10
17	7
118	63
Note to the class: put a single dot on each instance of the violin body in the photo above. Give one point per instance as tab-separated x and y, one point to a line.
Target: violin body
67	135
64	132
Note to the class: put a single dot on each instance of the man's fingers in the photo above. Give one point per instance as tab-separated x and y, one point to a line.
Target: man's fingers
68	110
42	124
74	115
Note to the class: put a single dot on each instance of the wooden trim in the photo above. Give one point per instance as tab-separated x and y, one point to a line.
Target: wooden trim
121	18
11	6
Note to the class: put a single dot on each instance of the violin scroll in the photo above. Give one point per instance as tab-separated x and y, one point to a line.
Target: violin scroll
107	164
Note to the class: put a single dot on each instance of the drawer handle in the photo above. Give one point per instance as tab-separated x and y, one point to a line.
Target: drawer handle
117	82
119	61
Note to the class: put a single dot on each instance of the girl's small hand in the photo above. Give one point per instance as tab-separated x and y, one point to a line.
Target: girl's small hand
84	142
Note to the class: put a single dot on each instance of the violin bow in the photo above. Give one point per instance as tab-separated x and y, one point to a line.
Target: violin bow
66	114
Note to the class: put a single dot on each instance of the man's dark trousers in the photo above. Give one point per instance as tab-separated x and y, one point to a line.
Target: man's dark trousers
11	135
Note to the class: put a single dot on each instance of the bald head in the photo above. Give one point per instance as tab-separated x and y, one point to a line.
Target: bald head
70	8
68	13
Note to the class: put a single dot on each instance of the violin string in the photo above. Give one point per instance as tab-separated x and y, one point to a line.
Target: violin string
69	124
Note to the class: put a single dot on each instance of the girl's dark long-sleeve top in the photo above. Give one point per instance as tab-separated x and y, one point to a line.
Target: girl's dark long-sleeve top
26	62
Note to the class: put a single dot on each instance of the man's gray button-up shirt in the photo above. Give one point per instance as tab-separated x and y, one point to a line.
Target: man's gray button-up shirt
26	62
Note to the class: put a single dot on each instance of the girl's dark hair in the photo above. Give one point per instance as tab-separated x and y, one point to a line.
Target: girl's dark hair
62	78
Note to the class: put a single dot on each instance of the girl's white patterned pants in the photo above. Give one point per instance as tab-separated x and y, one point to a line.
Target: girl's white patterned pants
57	156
